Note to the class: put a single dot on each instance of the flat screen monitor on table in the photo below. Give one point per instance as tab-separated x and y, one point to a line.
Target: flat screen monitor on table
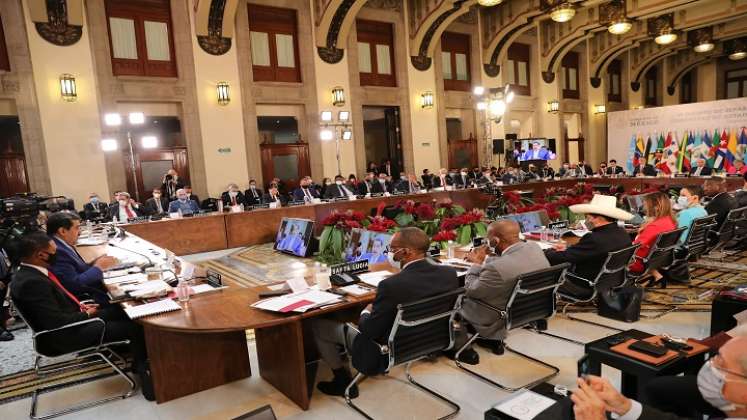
367	245
530	221
294	236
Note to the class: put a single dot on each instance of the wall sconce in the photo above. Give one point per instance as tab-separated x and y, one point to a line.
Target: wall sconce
426	100
553	106
109	145
343	116
347	134
224	96
68	90
600	109
338	96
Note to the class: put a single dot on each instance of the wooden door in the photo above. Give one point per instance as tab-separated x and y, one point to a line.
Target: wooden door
573	149
289	162
394	139
151	166
463	153
14	180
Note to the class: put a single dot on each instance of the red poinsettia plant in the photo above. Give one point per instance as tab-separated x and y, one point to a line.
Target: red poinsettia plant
381	224
421	215
443	237
509	201
336	233
467	225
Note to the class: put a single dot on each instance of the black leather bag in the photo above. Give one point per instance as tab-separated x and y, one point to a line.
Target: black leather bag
622	304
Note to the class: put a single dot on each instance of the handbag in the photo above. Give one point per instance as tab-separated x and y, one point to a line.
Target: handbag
622	304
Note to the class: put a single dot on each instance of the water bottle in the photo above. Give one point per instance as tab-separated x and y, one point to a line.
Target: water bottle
182	291
322	277
450	250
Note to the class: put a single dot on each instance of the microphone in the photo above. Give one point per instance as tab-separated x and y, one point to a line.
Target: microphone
150	261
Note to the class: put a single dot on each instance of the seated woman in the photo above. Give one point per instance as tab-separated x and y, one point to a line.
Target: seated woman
659	219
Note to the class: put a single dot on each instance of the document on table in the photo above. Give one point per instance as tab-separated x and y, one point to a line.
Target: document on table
374	278
128	278
297	302
147	289
153	308
204	288
525	405
357	290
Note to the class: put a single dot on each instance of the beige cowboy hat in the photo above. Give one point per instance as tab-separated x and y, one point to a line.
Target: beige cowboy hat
605	205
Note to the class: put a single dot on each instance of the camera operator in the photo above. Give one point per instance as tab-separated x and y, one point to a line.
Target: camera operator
171	183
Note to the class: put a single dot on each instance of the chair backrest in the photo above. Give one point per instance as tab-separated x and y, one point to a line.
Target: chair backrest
697	238
613	272
740	225
726	231
533	297
424	327
662	251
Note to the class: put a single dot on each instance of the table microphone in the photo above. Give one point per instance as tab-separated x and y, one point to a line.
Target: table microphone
150	261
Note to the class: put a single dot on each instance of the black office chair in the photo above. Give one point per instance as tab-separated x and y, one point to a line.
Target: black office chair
695	245
532	302
84	356
420	329
661	256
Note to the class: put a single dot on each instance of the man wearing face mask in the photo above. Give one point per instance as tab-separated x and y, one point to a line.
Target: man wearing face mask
491	279
588	255
183	204
463	180
381	185
232	197
305	192
719	390
253	195
338	189
171	183
158	204
366	187
418	279
94	209
274	196
443	179
125	208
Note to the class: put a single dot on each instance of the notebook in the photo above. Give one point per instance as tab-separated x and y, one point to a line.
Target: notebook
153	308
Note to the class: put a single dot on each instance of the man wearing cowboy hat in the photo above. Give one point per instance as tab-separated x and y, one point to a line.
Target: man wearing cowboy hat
589	254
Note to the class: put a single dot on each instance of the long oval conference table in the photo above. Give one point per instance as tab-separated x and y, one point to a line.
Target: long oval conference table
204	345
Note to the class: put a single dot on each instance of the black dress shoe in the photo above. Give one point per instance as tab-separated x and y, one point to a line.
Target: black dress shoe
469	356
336	387
6	336
495	346
146	381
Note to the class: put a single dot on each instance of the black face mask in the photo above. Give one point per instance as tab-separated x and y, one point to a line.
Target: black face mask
169	177
51	258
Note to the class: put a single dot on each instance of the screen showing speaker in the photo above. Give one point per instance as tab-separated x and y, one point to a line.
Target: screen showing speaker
536	149
293	236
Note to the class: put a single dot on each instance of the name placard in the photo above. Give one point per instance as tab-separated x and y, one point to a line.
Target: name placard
139	219
681	175
377	194
261	206
562	224
734	175
214	278
341	199
296	203
351	267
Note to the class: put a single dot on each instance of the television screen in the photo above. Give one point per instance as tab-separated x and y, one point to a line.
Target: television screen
530	221
367	245
536	149
293	236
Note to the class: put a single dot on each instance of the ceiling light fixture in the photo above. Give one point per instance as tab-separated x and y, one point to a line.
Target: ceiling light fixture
737	49
620	26
489	3
563	12
666	37
737	55
704	47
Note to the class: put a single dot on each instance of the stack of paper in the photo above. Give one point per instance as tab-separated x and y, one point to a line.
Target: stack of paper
147	289
297	302
128	278
153	308
374	278
356	290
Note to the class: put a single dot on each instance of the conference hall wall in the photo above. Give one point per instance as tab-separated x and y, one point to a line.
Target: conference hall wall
714	130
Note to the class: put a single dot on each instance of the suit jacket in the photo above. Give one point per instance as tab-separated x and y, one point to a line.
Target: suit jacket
588	255
618	170
404	186
77	276
417	281
114	211
91	212
151	207
508	178
427	181
379	188
280	197
250	199
648	170
298	194
437	181
587	170
462	181
365	187
226	198
387	169
169	189
721	205
543	154
493	283
705	171
337	191
741	197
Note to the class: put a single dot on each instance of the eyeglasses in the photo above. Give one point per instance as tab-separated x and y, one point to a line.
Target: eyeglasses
717	361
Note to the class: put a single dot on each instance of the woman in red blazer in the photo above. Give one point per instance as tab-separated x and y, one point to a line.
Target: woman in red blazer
660	219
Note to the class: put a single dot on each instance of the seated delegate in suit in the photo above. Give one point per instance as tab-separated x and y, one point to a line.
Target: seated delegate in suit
409	184
588	255
158	204
738	167
717	200
463	180
700	168
305	192
492	278
125	208
183	204
232	196
367	184
194	197
442	180
382	184
644	169
94	208
75	274
338	189
659	219
427	178
418	279
274	196
613	169
253	195
46	305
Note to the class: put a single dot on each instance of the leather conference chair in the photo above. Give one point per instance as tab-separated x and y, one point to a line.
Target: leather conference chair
420	329
81	357
661	256
532	303
695	245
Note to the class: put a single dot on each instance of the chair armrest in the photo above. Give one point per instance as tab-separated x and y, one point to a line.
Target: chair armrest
76	324
383	349
490	307
88	302
577	277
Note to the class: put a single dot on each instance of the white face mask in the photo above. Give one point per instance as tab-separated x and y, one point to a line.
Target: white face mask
464	173
233	193
711	386
338	182
123	202
683	202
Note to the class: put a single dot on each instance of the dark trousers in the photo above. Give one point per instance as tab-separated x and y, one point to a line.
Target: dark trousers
678	395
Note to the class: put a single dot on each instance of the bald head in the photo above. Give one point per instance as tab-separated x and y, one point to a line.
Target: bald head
503	233
734	353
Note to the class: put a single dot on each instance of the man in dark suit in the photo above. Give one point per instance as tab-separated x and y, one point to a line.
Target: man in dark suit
366	186
700	168
47	305
386	168
171	183
305	190
94	209
463	180
191	196
125	208
232	196
585	169
253	195
613	169
409	184
644	169
717	200
443	179
82	279
382	185
427	178
418	279
158	204
274	196
589	254
338	189
741	195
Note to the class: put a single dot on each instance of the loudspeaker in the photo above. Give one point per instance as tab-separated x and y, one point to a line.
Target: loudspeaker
498	146
511	136
551	145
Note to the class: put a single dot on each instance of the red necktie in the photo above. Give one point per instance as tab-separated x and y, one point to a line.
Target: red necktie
72	297
233	200
129	213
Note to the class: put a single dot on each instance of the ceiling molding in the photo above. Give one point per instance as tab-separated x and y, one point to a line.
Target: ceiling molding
334	26
428	31
59	22
214	25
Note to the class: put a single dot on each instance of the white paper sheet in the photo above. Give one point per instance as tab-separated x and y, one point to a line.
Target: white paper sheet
525	406
374	278
356	290
315	297
137	277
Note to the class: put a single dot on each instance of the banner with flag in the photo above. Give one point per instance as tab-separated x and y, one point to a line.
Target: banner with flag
686	146
742	145
633	154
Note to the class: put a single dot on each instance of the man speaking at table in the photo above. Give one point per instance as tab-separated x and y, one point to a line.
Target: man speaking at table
418	279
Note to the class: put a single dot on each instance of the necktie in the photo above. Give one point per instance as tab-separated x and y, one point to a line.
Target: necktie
158	203
72	297
233	200
307	194
340	191
128	212
254	193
